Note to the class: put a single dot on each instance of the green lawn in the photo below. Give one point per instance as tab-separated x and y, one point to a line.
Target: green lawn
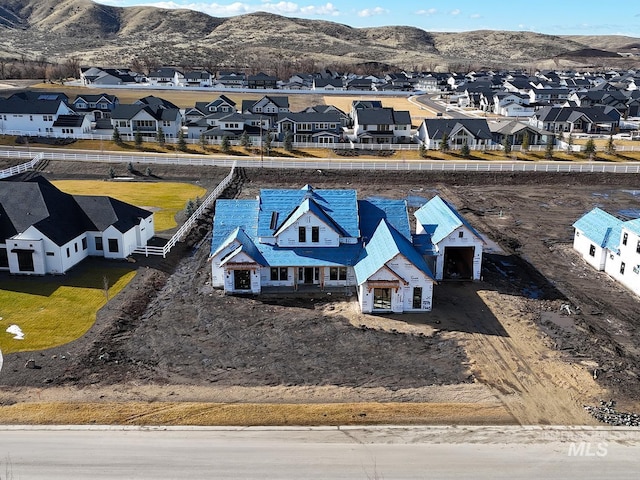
54	310
165	199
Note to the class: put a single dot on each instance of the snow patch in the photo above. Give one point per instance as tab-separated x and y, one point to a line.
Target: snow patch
16	331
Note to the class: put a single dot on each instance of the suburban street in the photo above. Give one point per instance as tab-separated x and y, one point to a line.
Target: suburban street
319	453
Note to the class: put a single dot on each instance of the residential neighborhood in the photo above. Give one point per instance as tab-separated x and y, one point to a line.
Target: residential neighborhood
483	109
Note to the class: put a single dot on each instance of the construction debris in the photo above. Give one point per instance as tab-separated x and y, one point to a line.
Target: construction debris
607	413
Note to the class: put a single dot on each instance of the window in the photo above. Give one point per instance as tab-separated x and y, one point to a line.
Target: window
417	297
302	234
99	243
279	273
622	265
338	273
4	258
460	234
625	237
51	254
382	298
68	252
638	247
592	250
84	243
75	246
113	245
315	234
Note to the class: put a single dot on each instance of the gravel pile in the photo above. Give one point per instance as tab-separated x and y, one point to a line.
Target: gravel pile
606	412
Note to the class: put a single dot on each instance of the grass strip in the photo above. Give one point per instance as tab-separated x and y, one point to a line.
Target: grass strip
253	414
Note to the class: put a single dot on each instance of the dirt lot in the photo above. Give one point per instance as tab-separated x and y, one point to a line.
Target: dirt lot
504	341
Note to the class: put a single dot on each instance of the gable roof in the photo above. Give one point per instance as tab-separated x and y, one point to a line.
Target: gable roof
601	228
439	219
60	216
339	205
385	244
382	116
437	127
371	211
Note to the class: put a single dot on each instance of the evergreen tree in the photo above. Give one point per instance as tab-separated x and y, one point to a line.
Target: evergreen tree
548	152
138	139
590	148
525	142
117	139
147	171
225	145
161	138
444	143
288	142
130	168
112	172
611	146
570	144
182	144
189	208
266	143
465	151
245	141
422	150
506	144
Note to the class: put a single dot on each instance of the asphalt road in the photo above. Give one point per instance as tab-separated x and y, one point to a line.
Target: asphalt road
323	453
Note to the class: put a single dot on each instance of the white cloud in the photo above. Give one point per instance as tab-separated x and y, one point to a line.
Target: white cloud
455	12
476	15
370	12
430	11
238	8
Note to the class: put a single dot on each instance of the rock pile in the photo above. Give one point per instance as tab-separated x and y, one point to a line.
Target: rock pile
606	412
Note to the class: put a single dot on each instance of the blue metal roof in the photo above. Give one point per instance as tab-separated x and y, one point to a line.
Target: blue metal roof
633	226
371	211
344	255
601	228
309	205
232	214
339	205
439	219
385	244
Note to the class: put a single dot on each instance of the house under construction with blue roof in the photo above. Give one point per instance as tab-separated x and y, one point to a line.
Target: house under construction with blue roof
326	238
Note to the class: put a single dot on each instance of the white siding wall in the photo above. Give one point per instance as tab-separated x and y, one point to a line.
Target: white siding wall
289	237
217	271
112	233
630	278
27	244
583	245
454	240
402	297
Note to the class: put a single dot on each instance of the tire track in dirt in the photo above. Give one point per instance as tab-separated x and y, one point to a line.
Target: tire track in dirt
534	384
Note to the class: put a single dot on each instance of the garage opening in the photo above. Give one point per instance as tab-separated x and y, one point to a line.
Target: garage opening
458	263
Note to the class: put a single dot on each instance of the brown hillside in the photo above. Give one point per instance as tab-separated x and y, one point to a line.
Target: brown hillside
105	35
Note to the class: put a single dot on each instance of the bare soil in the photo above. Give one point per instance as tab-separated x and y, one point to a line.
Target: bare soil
508	340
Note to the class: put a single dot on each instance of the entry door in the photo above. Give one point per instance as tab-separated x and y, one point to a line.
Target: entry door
242	279
25	261
308	275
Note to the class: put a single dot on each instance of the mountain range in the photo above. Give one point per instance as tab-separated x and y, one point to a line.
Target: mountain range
114	36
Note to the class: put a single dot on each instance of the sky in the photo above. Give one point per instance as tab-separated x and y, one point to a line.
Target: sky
564	17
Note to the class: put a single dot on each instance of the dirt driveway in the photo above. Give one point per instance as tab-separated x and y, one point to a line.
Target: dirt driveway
504	340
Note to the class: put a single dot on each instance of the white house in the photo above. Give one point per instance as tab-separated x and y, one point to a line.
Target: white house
611	245
381	125
312	239
473	132
46	231
453	245
148	119
31	116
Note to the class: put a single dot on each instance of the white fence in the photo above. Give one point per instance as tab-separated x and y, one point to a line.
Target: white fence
186	227
352	164
17	169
